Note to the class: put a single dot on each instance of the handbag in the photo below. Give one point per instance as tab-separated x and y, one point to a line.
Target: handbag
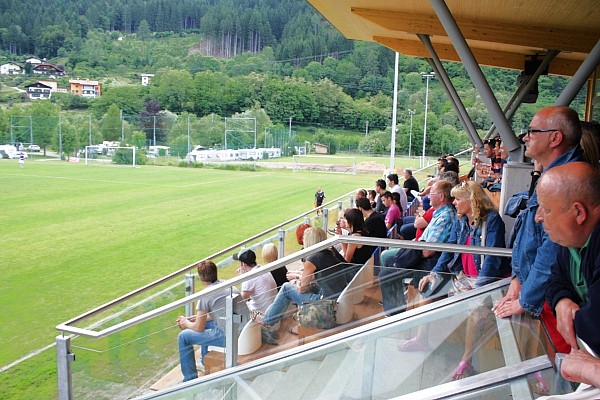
319	314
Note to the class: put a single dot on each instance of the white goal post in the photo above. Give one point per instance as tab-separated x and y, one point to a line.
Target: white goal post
325	163
118	155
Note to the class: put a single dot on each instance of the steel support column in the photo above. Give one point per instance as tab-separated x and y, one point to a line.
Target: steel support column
586	68
281	240
189	290
468	59
64	358
467	123
234	319
457	103
515	102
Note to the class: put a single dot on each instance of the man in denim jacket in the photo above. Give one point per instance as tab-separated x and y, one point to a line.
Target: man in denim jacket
552	140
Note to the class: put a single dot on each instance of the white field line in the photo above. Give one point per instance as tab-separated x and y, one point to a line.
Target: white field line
27	357
203	183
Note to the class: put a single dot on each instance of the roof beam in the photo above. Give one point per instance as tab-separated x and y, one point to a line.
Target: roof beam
492	58
487	31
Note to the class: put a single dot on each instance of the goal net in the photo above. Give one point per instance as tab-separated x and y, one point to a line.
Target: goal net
325	163
113	156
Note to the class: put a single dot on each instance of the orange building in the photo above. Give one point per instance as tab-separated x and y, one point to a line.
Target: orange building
85	88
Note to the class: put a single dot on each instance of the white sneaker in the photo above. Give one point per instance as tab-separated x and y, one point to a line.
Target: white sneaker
200	366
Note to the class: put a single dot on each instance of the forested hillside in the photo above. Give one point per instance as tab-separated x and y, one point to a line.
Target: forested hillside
56	27
277	61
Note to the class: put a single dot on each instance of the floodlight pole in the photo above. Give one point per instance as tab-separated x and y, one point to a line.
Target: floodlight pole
411	112
394	116
426	76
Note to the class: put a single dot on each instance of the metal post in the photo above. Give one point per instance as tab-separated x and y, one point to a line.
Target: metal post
189	290
457	103
90	130
394	117
426	76
411	112
281	239
476	75
231	330
122	128
64	358
585	70
561	385
325	218
513	104
154	129
189	147
60	147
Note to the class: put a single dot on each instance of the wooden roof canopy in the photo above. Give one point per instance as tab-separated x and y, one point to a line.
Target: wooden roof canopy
500	33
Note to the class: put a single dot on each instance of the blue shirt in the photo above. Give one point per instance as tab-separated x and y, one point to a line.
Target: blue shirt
439	228
533	252
492	266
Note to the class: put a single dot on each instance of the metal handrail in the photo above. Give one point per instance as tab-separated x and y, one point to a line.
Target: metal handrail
340	340
65	327
165	278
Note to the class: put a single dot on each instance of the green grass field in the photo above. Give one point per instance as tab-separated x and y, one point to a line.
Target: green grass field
75	237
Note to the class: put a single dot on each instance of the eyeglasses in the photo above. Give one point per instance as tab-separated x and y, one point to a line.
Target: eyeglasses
530	131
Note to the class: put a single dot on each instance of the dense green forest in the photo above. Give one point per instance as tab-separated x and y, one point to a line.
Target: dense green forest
276	61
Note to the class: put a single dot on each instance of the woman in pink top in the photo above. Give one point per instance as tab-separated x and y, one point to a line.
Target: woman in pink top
393	211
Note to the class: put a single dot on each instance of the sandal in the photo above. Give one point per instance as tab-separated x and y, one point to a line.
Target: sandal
257	317
413	344
464	370
540	386
293	330
254	314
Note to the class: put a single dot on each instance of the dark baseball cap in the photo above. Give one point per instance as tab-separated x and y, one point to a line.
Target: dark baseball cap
245	256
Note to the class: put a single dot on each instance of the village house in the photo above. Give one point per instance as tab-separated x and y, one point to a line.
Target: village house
11	68
146	79
48	69
38	91
85	88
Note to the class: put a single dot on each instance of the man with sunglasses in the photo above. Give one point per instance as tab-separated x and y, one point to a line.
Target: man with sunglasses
552	140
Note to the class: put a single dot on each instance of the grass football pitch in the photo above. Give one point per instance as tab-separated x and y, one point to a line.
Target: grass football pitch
75	237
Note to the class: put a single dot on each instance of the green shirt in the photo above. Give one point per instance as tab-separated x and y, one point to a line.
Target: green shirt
575	270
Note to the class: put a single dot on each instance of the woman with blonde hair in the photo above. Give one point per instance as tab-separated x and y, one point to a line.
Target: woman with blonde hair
311	284
269	254
478	224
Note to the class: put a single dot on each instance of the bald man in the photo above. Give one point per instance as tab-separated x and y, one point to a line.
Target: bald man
552	140
569	209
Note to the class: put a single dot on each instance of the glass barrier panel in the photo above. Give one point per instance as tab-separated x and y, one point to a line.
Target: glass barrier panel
532	386
125	364
376	363
151	299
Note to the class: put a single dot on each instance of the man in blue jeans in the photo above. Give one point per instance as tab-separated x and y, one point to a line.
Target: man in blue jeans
402	263
207	327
